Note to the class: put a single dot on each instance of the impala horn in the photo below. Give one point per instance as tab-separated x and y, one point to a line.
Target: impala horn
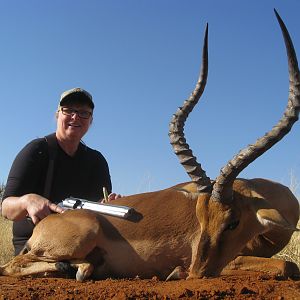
176	128
222	189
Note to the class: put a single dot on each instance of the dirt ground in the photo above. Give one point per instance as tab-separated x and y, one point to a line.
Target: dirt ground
235	285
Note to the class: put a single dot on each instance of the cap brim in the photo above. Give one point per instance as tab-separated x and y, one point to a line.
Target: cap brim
77	98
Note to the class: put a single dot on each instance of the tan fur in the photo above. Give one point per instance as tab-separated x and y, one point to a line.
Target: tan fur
173	227
272	266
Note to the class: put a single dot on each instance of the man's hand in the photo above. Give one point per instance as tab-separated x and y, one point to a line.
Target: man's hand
111	196
38	207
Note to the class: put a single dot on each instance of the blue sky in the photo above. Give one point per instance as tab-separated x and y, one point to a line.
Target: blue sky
140	60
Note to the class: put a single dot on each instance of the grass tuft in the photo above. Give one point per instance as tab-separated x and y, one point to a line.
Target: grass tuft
291	252
6	246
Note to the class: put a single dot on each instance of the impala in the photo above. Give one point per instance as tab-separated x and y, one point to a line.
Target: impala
190	230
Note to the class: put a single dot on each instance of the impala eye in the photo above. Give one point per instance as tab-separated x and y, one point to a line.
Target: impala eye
233	225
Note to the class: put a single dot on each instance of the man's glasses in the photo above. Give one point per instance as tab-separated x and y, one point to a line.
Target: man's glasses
83	114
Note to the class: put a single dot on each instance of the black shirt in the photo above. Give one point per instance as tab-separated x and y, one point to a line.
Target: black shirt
83	176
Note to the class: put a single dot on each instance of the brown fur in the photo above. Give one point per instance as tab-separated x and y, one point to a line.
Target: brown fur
275	267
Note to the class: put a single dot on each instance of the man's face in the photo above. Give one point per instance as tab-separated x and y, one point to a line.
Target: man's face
73	121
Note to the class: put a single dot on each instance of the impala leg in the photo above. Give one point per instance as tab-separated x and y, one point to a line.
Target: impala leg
272	266
84	269
23	265
177	273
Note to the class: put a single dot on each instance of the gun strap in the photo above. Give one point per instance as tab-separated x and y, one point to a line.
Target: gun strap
52	150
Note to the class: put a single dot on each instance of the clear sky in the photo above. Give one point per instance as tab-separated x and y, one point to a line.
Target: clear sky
140	60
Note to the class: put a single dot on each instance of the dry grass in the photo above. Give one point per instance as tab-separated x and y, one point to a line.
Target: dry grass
292	251
6	246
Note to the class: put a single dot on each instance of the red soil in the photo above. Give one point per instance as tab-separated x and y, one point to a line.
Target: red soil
235	285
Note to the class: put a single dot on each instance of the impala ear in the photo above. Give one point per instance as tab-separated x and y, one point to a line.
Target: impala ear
270	217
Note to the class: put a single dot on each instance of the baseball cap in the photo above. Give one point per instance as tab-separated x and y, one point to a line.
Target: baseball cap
78	95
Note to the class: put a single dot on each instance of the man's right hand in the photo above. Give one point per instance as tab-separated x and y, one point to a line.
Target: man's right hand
30	205
38	207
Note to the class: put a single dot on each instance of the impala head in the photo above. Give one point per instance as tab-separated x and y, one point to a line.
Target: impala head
224	231
221	211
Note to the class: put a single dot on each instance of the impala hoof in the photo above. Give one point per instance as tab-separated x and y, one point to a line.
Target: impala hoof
84	271
178	273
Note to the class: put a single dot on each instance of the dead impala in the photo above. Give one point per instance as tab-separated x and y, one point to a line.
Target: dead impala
189	230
